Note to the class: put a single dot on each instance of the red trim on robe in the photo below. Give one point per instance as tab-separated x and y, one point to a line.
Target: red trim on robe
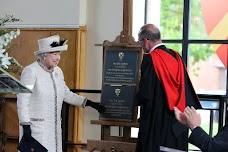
171	77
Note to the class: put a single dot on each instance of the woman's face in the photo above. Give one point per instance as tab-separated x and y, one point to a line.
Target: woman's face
52	59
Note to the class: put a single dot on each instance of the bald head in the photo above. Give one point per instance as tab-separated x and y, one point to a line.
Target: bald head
150	32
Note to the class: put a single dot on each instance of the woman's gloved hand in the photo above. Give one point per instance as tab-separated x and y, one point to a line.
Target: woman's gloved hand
27	132
97	106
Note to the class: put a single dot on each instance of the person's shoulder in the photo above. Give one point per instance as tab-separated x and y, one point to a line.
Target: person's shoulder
34	64
58	68
157	51
147	56
30	66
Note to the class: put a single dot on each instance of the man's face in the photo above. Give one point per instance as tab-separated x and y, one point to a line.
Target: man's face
144	42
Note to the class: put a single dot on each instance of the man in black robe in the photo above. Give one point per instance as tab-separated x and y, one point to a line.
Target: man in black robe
199	137
164	84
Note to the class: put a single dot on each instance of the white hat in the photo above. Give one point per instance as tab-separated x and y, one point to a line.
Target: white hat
51	44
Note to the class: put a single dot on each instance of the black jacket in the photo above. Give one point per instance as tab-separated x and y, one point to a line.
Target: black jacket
206	143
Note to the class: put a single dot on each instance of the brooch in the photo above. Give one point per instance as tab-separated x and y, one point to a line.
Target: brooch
56	75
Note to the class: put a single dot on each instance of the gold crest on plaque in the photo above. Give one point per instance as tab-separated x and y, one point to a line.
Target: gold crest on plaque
121	55
117	91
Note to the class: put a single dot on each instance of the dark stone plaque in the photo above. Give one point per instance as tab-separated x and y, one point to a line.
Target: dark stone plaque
121	66
118	101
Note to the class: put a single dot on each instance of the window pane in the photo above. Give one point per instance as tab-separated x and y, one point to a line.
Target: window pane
207	72
197	27
206	23
175	46
138	17
168	15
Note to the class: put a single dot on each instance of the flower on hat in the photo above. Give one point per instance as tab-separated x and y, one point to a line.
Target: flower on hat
60	43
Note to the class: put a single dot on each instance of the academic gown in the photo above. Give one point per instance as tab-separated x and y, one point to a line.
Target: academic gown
158	125
206	143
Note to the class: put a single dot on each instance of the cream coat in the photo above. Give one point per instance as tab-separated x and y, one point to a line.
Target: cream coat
42	108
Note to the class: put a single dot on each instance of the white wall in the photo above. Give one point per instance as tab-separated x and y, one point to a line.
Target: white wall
82	12
45	12
104	21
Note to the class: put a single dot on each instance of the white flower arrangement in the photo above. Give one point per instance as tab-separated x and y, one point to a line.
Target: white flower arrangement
4	41
7	37
9	64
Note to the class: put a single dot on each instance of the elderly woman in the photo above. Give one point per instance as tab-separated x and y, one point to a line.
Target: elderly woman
40	112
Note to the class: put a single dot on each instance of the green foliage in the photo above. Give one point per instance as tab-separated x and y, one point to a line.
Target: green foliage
172	26
171	19
8	19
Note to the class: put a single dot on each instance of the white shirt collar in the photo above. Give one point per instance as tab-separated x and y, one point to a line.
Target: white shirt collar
153	48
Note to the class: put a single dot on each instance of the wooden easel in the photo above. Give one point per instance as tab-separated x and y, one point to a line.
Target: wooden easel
122	143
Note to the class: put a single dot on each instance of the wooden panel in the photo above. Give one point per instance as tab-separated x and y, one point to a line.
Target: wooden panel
11	147
10	124
10	118
80	75
80	56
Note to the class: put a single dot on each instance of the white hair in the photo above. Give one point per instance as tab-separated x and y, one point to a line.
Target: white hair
41	56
